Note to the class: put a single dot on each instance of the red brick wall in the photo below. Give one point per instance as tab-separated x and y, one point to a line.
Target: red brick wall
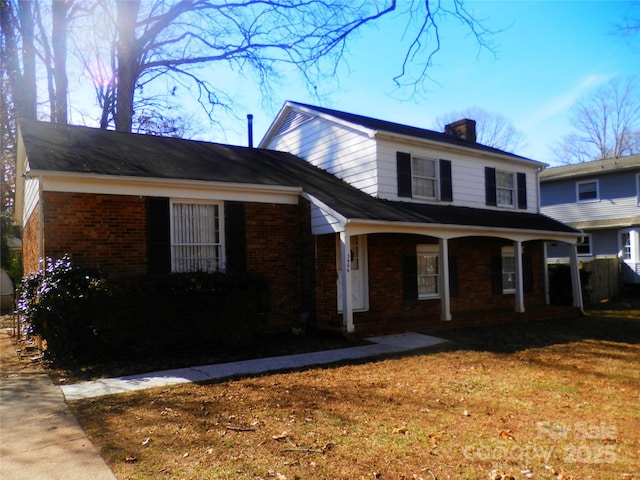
109	232
273	235
30	243
388	310
98	231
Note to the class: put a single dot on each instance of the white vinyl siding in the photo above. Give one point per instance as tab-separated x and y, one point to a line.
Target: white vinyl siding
344	152
467	174
196	240
367	160
31	198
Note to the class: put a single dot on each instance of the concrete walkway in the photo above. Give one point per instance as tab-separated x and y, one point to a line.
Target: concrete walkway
384	345
41	439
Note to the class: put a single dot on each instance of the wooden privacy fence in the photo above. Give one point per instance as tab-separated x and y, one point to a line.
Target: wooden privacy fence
604	280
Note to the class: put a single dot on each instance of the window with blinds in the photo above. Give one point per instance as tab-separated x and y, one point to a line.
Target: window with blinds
195	237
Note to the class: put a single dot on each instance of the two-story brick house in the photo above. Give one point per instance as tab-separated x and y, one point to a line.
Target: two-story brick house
602	199
466	240
378	227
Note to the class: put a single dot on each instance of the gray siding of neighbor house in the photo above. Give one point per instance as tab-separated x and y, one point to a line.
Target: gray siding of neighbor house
603	243
617	192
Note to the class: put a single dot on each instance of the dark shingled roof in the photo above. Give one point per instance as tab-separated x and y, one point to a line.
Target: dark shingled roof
398	128
82	150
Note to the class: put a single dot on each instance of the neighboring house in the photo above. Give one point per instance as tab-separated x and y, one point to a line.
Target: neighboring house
602	199
396	228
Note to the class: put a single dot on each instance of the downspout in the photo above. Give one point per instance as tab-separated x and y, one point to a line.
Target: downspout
41	259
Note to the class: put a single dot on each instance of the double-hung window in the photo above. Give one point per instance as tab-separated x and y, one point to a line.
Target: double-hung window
428	271
505	188
424	178
587	191
508	270
583	246
196	238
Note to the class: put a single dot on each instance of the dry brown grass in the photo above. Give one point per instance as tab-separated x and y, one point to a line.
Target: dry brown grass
545	401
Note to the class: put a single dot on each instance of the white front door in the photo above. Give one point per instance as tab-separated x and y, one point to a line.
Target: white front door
358	257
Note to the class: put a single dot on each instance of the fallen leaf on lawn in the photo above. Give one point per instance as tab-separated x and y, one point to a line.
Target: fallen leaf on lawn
282	436
506	434
130	460
185	454
146	441
466	413
402	429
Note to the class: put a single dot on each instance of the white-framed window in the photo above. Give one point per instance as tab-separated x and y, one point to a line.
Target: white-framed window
583	246
505	188
424	177
629	246
196	237
587	191
428	271
508	270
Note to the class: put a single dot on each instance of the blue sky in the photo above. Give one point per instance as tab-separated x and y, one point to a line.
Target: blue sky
546	55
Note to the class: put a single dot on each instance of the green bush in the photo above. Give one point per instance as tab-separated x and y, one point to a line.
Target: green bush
59	303
84	316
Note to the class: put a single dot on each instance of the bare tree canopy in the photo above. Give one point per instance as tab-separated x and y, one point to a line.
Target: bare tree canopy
606	124
133	49
492	129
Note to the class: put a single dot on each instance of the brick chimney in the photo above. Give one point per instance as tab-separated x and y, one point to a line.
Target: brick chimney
465	129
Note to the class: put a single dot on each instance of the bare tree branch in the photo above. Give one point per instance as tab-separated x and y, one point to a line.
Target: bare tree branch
606	124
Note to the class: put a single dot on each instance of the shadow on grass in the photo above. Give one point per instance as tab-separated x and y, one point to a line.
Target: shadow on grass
615	323
606	325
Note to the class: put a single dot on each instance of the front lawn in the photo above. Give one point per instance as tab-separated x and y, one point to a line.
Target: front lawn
545	401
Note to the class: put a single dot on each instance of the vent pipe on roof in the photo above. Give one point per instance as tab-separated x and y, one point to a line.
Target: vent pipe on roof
250	127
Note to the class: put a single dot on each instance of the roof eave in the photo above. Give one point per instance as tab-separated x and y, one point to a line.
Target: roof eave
449	231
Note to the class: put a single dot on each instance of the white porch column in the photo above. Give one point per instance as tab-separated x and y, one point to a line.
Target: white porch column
517	253
347	298
547	299
445	294
575	276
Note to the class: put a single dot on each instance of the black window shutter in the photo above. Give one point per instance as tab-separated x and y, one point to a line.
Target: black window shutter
235	236
453	276
522	190
496	275
410	277
158	235
490	186
527	273
446	187
403	165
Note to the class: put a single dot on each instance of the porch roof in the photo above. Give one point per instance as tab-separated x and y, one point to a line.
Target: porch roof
65	149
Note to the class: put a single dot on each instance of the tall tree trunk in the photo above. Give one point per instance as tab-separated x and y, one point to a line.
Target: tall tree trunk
60	11
23	81
27	28
127	52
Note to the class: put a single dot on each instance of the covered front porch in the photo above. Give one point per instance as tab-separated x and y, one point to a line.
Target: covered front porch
379	277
